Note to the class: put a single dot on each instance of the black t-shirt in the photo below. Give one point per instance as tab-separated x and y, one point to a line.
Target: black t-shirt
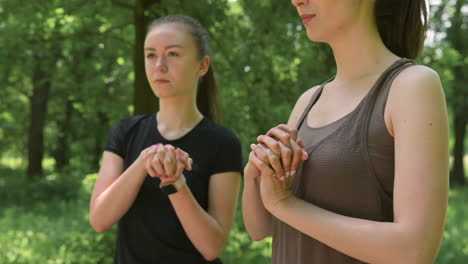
150	231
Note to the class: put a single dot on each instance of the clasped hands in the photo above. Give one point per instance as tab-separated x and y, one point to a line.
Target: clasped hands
273	162
165	162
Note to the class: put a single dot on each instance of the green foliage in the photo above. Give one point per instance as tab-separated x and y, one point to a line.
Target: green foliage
46	221
64	236
454	249
241	248
263	63
38	226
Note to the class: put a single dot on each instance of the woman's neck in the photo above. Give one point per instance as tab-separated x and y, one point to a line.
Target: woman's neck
359	53
177	116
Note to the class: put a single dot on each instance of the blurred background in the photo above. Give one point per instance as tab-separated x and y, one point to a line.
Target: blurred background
71	69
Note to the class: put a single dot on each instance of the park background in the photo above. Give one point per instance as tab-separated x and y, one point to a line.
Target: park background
71	69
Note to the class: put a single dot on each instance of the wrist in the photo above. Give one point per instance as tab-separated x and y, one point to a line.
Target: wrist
171	179
172	186
139	165
251	173
280	203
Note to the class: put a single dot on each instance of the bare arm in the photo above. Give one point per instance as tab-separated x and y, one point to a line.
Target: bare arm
114	192
418	115
257	219
209	231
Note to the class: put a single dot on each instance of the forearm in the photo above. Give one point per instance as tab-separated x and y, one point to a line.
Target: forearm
368	241
257	219
205	233
109	206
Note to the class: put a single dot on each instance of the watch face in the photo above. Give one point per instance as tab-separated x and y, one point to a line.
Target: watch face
169	189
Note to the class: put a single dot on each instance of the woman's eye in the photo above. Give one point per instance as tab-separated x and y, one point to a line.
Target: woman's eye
173	54
150	56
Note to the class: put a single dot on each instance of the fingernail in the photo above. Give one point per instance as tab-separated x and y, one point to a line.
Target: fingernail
293	172
252	146
274	175
288	174
282	178
157	145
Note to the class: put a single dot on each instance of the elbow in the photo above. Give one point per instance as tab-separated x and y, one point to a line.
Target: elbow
420	256
414	258
210	257
257	237
416	251
409	255
212	254
99	227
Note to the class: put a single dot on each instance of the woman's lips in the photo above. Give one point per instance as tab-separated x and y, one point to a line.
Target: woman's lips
161	81
307	18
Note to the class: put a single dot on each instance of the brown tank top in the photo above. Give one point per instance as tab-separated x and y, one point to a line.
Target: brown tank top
350	172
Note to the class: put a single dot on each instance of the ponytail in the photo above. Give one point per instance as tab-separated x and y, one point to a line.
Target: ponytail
207	96
402	25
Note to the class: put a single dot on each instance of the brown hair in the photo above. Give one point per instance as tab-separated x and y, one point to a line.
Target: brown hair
402	25
207	92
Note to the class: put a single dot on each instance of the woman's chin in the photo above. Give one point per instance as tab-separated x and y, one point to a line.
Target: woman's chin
164	94
314	36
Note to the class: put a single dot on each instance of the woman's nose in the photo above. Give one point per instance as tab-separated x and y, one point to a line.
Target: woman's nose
161	64
297	3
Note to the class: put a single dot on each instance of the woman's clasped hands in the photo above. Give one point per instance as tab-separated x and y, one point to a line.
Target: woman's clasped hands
165	162
274	162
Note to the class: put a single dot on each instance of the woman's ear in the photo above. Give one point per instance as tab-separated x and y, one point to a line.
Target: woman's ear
204	66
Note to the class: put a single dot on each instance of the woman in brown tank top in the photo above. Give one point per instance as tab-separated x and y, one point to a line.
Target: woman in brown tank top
372	145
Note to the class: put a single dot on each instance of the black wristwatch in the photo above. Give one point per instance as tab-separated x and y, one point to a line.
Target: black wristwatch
172	187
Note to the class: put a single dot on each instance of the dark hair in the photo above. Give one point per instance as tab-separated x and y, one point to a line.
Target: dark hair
207	91
402	25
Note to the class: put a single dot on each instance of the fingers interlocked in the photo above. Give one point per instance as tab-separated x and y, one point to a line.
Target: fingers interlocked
166	161
279	150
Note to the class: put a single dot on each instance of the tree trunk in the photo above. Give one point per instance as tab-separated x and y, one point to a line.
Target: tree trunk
455	35
144	101
99	136
62	152
38	105
458	171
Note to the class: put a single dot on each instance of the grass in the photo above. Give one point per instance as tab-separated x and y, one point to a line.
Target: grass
47	222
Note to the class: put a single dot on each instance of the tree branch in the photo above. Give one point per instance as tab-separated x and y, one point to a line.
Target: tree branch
148	3
230	62
82	35
123	5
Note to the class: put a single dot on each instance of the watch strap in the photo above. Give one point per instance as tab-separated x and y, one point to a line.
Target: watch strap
173	187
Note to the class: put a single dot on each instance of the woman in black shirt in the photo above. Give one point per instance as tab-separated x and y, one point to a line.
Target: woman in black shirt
171	179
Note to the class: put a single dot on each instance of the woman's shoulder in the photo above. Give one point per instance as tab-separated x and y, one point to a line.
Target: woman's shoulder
307	95
127	123
218	132
417	75
414	83
415	94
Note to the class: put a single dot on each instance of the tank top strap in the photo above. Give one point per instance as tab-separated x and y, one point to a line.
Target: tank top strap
383	85
312	102
382	88
386	79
